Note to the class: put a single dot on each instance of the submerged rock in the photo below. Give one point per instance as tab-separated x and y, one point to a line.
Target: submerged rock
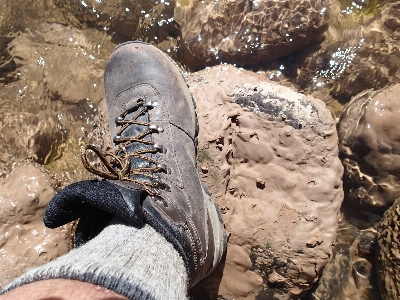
270	158
351	273
7	64
25	241
360	52
150	21
121	15
18	15
53	80
246	32
369	134
67	63
388	262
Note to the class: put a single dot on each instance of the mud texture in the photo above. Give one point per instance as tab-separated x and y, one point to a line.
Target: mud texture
246	32
369	146
25	241
270	158
388	260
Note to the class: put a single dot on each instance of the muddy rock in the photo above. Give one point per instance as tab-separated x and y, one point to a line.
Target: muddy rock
388	262
24	240
369	146
246	32
272	165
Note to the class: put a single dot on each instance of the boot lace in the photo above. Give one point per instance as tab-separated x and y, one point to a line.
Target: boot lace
117	165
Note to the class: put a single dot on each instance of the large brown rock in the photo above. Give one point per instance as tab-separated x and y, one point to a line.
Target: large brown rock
17	15
369	134
388	262
24	240
270	158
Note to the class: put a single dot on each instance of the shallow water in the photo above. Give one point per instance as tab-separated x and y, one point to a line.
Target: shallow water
53	53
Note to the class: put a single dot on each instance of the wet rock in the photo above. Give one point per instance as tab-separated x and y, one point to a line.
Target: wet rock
361	51
47	104
24	240
369	147
351	273
245	32
388	262
273	168
18	15
25	136
121	15
41	55
7	64
150	21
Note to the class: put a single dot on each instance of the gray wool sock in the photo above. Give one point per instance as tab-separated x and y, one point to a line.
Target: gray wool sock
136	263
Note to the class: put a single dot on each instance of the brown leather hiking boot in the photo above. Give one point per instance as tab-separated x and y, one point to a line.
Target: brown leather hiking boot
153	124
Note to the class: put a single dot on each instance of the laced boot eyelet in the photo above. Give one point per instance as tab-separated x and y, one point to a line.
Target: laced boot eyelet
155	183
160	148
163	167
151	104
160	186
118	119
116	138
157	198
154	128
